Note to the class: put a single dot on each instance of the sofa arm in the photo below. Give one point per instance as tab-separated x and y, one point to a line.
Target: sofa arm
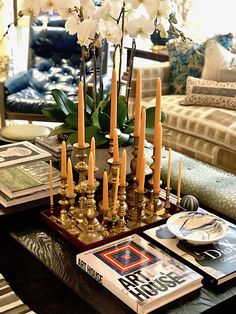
17	82
149	75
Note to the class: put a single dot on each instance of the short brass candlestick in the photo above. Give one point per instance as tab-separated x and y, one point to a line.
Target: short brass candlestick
91	228
154	208
136	214
122	209
71	213
114	166
63	218
133	163
167	202
81	167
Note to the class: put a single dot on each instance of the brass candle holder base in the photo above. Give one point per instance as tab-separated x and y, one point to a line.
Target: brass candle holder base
154	209
137	214
167	204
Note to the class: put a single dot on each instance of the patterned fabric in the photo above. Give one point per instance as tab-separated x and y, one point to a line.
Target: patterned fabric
215	125
200	149
210	93
187	59
213	187
9	301
220	64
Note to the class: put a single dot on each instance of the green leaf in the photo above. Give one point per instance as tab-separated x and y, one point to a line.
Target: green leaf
73	138
95	118
64	103
72	120
129	129
121	112
104	121
54	114
63	128
150	117
93	131
89	104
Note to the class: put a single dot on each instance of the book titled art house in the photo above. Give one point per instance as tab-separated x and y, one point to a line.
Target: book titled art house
141	275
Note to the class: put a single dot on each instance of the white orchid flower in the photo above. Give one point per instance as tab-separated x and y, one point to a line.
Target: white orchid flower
66	8
102	11
140	26
88	8
136	3
72	24
164	8
115	9
47	5
29	8
110	30
86	32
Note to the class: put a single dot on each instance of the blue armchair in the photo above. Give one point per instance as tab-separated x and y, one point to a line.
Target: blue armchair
55	63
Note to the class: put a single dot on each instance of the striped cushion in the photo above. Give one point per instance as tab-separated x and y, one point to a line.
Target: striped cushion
202	150
215	125
9	301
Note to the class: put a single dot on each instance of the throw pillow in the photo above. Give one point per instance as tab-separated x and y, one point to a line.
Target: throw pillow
187	59
210	93
220	64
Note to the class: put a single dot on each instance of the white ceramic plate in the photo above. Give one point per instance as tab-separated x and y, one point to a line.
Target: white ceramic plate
197	228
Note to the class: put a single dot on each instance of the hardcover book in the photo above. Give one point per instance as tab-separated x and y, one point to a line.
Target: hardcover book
21	152
27	178
51	143
140	274
8	202
216	262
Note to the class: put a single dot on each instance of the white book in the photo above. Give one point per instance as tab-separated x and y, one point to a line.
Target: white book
21	152
143	276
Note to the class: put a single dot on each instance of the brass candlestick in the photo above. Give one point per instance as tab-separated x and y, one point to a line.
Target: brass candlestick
81	167
110	148
167	202
133	163
92	229
114	166
122	209
136	214
71	213
63	218
154	209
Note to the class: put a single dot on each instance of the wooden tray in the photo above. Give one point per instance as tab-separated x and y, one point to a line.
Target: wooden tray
46	217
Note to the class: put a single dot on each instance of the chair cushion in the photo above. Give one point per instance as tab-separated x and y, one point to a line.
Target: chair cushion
215	125
24	132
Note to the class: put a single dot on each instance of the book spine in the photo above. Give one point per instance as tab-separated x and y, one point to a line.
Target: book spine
108	282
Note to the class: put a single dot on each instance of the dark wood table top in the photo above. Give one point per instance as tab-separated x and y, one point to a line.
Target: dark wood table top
58	255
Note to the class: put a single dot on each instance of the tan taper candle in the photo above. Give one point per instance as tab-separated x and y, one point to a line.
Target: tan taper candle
91	170
51	183
115	146
113	112
116	192
81	140
169	169
123	168
158	107
141	142
63	159
70	179
138	94
93	149
157	162
105	203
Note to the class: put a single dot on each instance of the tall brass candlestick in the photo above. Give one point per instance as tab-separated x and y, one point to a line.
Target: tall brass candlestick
63	218
133	163
81	167
154	208
122	209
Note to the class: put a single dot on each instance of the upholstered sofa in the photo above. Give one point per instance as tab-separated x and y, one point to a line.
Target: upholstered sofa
202	131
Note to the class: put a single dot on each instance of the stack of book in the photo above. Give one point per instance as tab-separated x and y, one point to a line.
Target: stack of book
52	145
26	182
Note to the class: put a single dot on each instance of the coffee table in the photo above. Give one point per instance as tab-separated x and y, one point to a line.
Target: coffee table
58	255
